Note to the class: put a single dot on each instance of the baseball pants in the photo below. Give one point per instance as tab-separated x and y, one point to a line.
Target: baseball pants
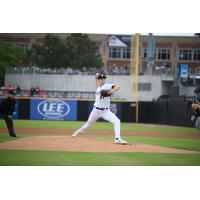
9	123
106	115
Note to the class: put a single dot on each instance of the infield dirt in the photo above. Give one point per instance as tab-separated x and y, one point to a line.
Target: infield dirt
82	144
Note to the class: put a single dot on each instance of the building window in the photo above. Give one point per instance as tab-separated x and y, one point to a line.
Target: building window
114	52
145	53
196	54
185	54
126	53
163	54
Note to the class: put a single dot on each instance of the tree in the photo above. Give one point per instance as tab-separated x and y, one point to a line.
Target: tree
82	51
28	58
197	34
50	53
10	56
77	51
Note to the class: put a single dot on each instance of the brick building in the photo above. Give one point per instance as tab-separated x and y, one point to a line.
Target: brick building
116	50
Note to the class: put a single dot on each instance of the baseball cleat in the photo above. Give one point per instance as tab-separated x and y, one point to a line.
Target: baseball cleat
13	136
76	134
120	141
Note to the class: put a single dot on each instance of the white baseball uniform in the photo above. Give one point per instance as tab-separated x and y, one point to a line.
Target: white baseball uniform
102	110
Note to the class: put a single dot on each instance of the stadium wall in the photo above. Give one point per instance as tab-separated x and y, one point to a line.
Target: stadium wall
151	87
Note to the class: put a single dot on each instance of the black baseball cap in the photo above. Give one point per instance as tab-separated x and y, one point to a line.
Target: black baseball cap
102	76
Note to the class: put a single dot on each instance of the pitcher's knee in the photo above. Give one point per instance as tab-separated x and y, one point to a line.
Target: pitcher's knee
117	121
88	124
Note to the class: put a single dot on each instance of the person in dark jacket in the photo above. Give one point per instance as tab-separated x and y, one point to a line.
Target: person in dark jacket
7	108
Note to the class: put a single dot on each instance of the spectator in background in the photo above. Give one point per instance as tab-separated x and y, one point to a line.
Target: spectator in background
10	88
3	90
37	91
115	71
18	90
3	87
32	92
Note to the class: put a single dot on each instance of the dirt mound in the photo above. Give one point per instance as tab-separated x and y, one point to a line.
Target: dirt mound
82	144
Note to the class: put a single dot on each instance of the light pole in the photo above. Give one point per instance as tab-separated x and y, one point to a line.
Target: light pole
150	54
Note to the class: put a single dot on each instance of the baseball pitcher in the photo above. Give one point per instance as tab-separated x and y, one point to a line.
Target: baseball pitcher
102	108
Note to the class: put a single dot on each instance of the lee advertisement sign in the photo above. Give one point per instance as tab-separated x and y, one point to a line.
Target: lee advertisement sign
53	109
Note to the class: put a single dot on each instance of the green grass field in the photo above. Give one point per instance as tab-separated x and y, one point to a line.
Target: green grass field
98	126
42	158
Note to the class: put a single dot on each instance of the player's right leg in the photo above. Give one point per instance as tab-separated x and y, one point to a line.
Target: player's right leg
94	116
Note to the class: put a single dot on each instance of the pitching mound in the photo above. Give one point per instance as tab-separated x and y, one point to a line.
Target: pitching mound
82	144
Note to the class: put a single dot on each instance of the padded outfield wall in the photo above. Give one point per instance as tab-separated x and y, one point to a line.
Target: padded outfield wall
167	111
67	109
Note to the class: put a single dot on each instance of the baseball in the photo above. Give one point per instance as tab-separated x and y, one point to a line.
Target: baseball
97	74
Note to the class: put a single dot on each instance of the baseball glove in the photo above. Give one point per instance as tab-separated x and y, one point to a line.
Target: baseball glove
105	93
